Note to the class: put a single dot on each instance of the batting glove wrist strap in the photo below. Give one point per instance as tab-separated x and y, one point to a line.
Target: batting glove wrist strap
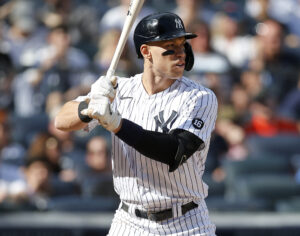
84	118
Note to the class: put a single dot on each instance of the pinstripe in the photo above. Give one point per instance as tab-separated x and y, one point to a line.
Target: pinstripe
160	181
202	160
160	185
115	228
203	221
137	154
146	183
149	161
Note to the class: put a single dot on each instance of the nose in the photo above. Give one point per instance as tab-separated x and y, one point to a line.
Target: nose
180	51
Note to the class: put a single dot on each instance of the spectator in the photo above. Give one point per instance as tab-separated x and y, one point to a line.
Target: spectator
58	67
188	10
256	11
271	60
228	41
114	18
287	13
6	77
53	13
95	175
206	58
191	10
82	17
37	176
290	107
48	147
24	36
106	48
265	122
11	152
210	67
59	56
235	138
252	83
24	188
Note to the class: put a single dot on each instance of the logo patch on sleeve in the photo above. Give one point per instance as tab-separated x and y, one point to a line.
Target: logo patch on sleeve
198	123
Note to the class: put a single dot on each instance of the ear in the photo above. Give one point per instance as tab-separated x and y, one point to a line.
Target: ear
145	51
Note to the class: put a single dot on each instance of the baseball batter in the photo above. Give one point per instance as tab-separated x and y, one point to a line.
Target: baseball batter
161	123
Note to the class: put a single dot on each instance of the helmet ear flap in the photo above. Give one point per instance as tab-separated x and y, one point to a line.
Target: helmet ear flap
189	58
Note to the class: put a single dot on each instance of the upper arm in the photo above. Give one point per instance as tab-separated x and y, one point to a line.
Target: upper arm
198	115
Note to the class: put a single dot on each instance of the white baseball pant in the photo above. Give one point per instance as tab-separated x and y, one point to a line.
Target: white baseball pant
195	222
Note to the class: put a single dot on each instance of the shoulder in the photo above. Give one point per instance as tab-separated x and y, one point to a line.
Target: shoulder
197	91
126	81
197	97
127	86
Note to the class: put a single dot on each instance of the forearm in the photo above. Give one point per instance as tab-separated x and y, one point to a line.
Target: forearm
173	148
67	119
157	146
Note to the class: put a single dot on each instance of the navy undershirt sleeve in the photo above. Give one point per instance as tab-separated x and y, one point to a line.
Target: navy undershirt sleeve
161	147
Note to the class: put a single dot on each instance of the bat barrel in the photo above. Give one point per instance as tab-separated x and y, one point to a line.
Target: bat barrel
133	11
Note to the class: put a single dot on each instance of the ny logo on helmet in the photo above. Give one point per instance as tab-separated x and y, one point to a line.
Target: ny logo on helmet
178	23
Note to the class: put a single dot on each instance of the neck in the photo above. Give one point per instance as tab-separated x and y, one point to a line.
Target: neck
155	83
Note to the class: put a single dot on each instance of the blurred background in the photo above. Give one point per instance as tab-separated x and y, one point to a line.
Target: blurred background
51	51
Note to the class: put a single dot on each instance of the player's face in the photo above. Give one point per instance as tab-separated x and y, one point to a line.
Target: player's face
168	57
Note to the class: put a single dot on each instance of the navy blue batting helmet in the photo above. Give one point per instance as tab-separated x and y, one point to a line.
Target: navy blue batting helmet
159	27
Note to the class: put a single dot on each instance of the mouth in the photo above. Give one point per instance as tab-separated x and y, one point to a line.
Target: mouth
180	65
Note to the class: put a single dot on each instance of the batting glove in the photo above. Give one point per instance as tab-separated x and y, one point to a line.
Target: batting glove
100	108
105	86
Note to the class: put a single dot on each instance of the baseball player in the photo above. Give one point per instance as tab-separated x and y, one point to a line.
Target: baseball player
161	123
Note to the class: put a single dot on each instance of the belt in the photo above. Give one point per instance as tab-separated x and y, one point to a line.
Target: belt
161	215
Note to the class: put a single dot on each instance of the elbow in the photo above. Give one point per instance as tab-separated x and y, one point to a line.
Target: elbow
59	124
63	124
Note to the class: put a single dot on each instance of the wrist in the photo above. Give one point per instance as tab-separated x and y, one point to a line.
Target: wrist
118	128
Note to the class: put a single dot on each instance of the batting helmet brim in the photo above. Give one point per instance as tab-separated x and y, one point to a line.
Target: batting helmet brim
169	37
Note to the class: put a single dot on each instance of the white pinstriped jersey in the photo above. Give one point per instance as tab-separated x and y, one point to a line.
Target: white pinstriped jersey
147	183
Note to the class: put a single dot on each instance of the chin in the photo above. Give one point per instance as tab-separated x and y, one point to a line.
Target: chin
176	75
173	74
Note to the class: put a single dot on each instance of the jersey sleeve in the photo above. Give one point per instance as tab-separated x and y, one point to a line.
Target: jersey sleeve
198	114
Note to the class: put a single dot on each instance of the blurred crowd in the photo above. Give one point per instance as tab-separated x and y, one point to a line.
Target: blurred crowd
51	51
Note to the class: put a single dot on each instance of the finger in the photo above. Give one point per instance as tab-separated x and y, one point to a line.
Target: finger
87	112
114	81
87	100
84	112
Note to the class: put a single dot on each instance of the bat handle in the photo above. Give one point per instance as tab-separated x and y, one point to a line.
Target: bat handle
110	73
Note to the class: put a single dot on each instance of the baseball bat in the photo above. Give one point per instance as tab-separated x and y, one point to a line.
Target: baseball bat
133	11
